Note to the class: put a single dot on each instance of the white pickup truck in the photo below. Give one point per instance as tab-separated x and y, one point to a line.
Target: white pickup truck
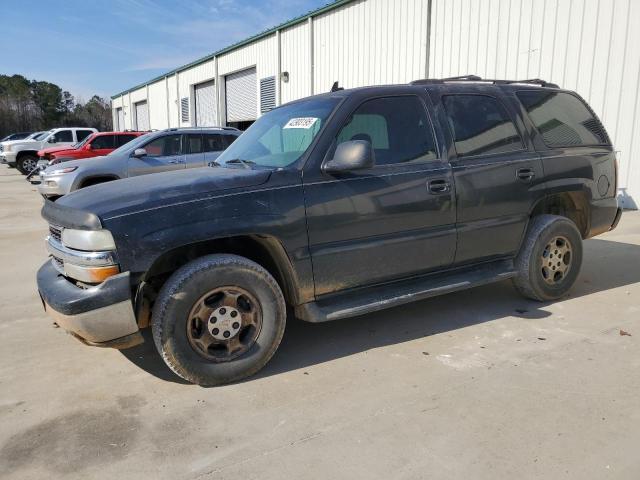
23	154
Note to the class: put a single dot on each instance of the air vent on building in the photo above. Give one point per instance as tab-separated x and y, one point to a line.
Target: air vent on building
184	109
267	94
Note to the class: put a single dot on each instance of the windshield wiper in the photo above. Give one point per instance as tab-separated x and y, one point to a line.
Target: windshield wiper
214	163
245	163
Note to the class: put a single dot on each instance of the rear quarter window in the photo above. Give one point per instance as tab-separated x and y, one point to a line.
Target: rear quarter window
562	119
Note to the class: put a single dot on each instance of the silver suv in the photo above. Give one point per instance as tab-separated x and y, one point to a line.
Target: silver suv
171	149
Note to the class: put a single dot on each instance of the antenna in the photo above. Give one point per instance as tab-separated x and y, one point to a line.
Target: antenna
336	87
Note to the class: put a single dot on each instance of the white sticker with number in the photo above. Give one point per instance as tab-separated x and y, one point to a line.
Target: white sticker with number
304	122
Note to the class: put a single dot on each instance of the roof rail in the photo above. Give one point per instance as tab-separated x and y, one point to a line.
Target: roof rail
175	129
475	78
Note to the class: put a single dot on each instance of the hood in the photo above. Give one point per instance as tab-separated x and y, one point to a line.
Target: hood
21	142
46	151
157	190
76	163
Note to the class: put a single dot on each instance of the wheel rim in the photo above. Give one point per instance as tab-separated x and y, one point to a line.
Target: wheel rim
28	164
556	259
224	323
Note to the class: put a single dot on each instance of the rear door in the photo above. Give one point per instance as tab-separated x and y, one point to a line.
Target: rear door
496	170
392	221
163	154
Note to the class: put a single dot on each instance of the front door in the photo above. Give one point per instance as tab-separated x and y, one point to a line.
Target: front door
163	154
388	222
496	171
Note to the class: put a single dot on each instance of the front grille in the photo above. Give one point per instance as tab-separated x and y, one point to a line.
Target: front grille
55	232
1	147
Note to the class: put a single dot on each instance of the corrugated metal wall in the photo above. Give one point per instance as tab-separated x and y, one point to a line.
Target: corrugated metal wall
590	46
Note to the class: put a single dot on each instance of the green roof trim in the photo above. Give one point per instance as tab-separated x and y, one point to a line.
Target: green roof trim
266	33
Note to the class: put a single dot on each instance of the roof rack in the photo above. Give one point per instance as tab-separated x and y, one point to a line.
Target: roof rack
173	129
475	78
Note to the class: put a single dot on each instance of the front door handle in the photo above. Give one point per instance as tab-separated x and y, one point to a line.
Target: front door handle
525	174
175	161
439	186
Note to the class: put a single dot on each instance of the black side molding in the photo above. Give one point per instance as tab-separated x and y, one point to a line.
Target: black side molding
69	217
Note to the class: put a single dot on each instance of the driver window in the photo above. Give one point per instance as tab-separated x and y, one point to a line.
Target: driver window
63	136
164	146
398	129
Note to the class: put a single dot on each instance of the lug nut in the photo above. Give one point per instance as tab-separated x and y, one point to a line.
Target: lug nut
214	319
226	334
216	331
223	311
234	314
236	325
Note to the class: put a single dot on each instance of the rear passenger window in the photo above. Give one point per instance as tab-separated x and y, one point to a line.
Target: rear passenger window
213	143
195	143
562	119
122	139
82	134
397	128
480	125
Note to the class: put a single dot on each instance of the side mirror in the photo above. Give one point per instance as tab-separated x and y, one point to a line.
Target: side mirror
51	139
139	152
352	155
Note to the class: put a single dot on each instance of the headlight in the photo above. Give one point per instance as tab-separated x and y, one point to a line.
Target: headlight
62	170
7	148
88	240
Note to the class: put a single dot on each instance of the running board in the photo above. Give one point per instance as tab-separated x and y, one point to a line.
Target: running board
371	299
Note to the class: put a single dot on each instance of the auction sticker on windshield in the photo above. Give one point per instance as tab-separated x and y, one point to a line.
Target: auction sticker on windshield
303	122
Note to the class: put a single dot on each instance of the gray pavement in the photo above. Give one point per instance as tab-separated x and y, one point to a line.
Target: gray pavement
481	384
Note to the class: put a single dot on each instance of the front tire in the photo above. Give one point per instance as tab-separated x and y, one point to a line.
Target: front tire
550	258
218	319
26	164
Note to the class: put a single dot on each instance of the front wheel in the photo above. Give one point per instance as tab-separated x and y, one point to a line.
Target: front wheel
218	319
26	164
550	258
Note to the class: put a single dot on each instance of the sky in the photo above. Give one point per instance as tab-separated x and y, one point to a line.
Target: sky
102	47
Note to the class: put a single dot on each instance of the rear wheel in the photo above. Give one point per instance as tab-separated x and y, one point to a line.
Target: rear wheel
26	164
218	319
550	258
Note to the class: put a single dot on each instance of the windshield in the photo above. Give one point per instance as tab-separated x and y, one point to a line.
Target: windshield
40	135
133	144
280	137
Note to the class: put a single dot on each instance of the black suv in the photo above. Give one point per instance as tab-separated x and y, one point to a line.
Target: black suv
331	207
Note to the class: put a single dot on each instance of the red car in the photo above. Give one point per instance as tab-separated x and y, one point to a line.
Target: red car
95	145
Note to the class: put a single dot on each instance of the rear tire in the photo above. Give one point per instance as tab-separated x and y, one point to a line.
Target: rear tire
218	319
550	258
26	164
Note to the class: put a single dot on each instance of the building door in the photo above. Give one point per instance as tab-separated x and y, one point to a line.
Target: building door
241	98
120	119
142	116
206	105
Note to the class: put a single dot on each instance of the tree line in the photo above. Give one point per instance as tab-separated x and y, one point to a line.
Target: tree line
33	105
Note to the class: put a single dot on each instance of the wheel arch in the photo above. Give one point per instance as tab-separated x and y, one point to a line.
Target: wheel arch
573	205
23	153
96	179
265	250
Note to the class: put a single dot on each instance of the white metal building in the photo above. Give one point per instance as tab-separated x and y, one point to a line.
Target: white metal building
590	46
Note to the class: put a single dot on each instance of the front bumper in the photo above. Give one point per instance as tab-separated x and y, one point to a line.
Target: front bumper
55	185
100	316
8	157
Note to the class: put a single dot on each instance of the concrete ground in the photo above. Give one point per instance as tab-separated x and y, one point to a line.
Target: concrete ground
481	384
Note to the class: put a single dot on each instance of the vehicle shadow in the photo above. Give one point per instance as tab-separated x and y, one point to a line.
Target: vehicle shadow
607	265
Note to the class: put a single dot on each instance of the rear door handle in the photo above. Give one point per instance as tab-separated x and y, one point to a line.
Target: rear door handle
439	186
525	174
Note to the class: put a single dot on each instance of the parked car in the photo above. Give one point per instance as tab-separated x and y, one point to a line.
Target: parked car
23	154
16	136
172	149
8	144
95	145
335	206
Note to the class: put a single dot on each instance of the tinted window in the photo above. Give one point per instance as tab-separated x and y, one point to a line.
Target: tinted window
103	141
194	143
397	127
63	136
122	139
562	118
213	143
163	146
228	139
82	134
480	125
